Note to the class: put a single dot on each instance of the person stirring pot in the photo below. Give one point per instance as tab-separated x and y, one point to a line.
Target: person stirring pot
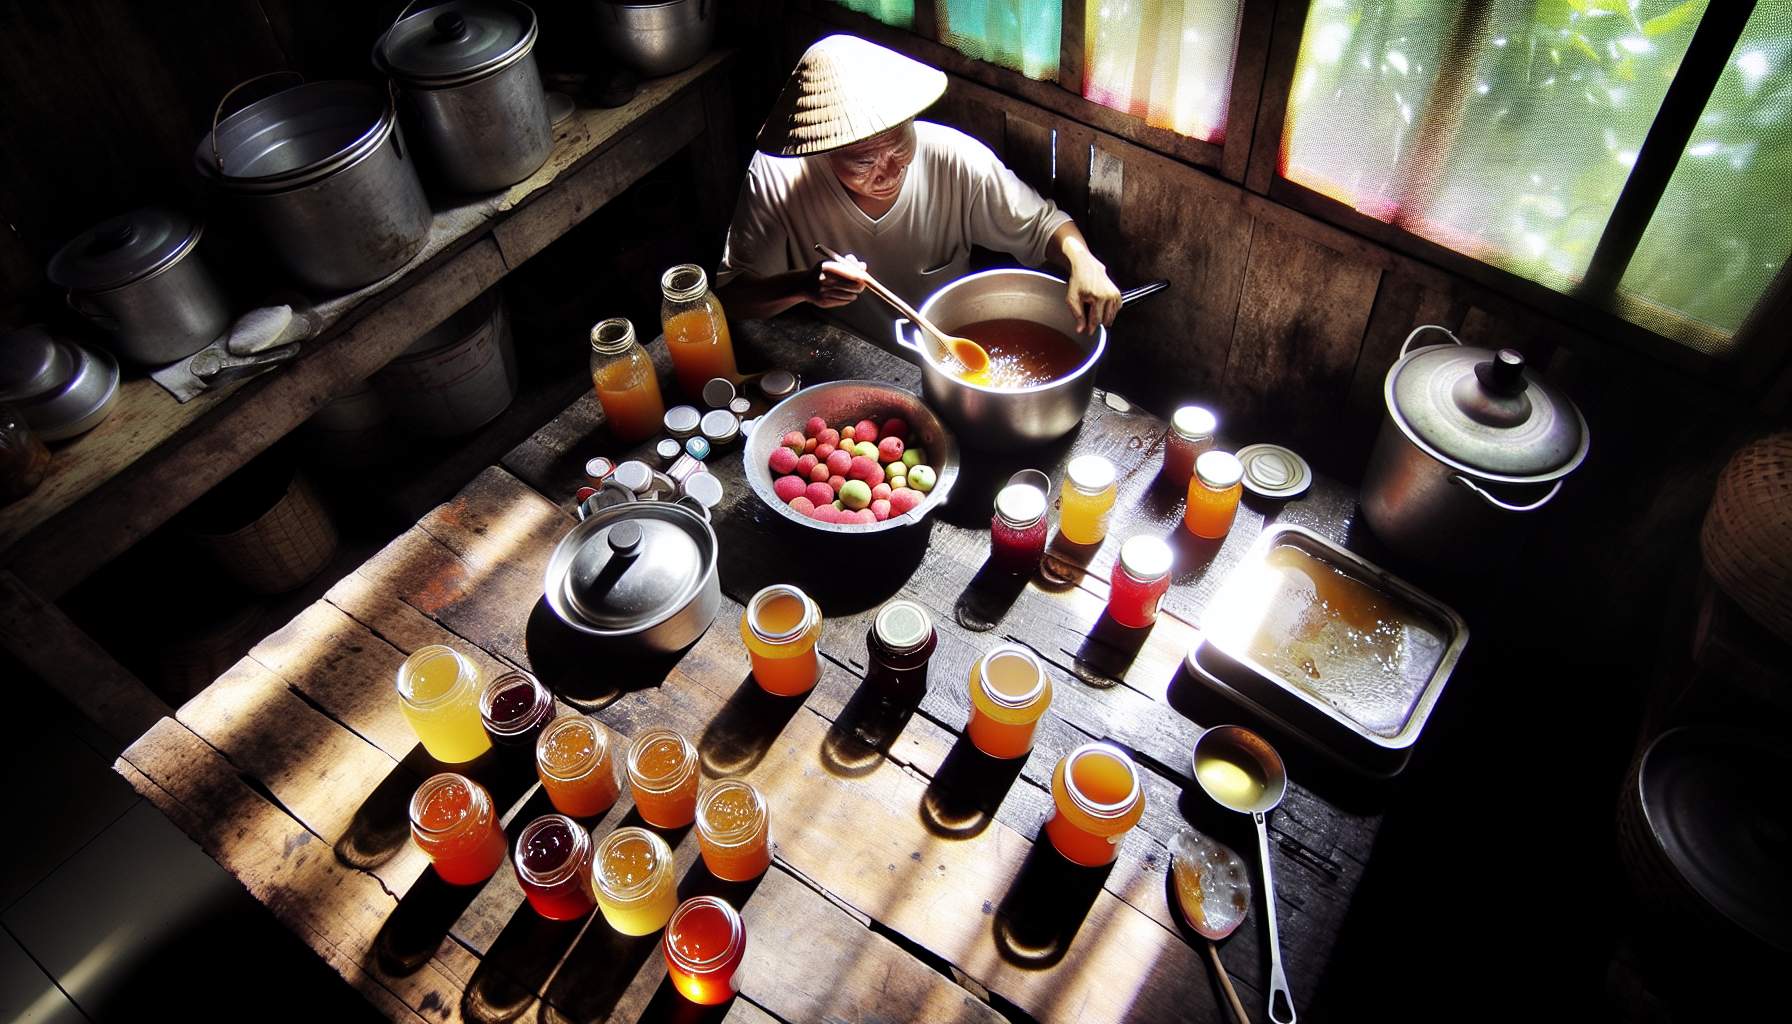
843	162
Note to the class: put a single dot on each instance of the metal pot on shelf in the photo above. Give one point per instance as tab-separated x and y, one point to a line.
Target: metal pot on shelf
1473	445
138	277
467	72
322	170
640	575
657	38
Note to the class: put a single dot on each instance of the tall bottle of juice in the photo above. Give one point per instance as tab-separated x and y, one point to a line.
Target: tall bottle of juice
696	329
626	386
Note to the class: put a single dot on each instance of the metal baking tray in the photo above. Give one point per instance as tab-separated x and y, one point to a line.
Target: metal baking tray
1330	646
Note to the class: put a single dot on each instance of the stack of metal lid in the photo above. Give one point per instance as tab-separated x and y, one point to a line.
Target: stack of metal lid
61	388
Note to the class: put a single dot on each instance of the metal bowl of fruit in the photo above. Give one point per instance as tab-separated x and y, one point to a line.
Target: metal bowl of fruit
865	494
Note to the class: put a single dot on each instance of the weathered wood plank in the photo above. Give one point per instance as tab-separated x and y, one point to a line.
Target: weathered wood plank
1030	153
960	109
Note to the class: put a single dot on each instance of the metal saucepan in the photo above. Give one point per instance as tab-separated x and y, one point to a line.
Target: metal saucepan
641	574
657	38
998	417
139	277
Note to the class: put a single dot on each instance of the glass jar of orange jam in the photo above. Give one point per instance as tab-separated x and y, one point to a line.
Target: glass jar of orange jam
1096	799
733	831
573	760
705	943
633	881
662	770
623	376
1213	494
781	627
454	823
696	329
1009	694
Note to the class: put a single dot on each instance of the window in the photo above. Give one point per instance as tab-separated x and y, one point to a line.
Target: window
1167	62
900	13
1021	35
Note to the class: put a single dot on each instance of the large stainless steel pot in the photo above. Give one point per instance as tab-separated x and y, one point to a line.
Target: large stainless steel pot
1472	444
138	277
641	575
987	417
657	38
473	96
322	170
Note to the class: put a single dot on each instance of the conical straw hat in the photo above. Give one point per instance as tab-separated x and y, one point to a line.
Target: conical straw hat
846	89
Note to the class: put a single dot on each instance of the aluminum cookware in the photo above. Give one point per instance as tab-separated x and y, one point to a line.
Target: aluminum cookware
322	170
61	388
1472	444
138	277
640	574
657	38
472	93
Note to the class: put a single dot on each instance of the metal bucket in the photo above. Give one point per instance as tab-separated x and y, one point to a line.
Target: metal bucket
456	378
657	38
323	171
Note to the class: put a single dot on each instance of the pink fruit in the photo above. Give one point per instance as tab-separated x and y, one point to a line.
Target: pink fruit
836	482
815	426
865	469
819	474
864	430
788	488
809	444
829	437
839	461
794	440
895	427
783	460
881	492
865	516
805	465
802	504
820	494
902	499
823	514
823	450
890	449
846	432
880	509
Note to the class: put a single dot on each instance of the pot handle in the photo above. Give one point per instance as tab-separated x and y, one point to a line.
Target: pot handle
218	114
1421	329
103	320
902	325
1132	295
1458	478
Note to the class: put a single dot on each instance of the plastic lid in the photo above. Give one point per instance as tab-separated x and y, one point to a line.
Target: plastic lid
682	420
1273	471
1484	411
1219	470
458	41
1146	558
126	248
697	447
1192	421
1020	505
1090	473
641	567
902	626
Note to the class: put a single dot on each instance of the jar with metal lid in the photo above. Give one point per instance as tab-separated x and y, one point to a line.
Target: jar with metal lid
1191	432
138	277
473	95
1096	800
900	643
1010	691
1213	494
781	626
1140	580
1087	499
623	377
696	329
1017	531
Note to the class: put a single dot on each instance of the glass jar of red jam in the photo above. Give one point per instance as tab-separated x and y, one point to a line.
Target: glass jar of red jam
454	823
1017	532
1141	579
553	865
515	708
1190	433
705	942
901	642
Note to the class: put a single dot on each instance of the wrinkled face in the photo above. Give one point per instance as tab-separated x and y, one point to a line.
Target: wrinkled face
874	168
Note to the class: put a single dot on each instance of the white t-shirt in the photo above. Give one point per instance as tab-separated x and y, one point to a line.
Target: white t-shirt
957	193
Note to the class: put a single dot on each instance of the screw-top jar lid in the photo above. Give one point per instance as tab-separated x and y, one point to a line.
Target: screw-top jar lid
777	384
902	626
1091	474
457	42
643	564
720	426
681	421
126	248
718	392
1003	653
1020	505
1272	471
1146	558
1194	423
1219	470
1483	411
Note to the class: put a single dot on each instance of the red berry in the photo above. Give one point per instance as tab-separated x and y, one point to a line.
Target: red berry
903	499
816	425
830	437
802	504
839	461
881	491
880	509
820	494
864	430
896	427
794	440
889	449
788	488
819	474
783	460
836	482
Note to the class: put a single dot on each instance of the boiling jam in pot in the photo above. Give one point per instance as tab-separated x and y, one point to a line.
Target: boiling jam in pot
1023	354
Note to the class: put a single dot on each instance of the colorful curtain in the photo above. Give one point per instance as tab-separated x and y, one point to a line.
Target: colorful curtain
1166	61
1021	35
900	13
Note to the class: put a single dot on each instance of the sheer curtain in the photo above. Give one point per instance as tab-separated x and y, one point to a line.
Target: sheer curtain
1021	35
900	13
1167	61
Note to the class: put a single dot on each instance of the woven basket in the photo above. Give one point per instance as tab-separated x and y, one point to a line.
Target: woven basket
1747	538
282	549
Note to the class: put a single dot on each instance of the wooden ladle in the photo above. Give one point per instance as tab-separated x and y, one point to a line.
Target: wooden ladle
966	352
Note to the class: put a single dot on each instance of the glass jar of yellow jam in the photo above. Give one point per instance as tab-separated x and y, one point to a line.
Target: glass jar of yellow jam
631	876
733	831
1009	694
1096	800
781	627
439	690
662	771
1087	499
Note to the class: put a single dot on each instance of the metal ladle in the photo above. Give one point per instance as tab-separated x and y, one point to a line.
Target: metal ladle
968	353
1239	746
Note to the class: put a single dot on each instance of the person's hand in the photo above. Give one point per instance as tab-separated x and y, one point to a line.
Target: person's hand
1092	297
834	283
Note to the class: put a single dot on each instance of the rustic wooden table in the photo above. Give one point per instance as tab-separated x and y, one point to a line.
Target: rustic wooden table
911	881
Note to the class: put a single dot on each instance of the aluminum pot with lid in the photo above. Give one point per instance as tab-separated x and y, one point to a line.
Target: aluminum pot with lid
138	277
473	96
1472	446
322	170
641	574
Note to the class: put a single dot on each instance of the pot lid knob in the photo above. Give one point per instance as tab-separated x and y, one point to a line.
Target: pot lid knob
625	539
112	236
1494	395
450	27
1504	373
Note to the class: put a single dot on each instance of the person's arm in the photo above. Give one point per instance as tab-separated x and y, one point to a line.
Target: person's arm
1092	295
826	284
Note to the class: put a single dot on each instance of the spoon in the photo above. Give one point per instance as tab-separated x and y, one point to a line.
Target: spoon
1213	888
968	353
1243	773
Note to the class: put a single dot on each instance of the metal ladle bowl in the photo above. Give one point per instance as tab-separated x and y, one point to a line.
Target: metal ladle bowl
1241	744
